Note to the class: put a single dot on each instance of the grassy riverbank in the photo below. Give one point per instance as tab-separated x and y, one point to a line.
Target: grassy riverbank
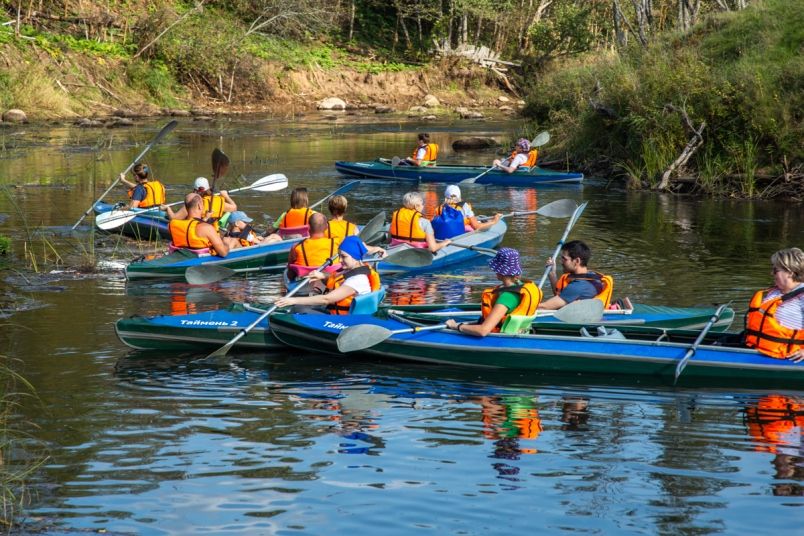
740	74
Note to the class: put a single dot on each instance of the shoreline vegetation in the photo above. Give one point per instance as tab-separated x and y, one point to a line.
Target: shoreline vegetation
670	95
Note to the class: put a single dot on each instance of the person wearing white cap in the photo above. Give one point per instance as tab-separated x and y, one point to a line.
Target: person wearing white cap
455	216
215	205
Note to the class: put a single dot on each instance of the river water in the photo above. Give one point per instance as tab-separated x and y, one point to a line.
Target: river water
150	443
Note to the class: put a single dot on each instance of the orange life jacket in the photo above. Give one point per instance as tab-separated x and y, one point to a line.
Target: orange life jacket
530	296
457	206
154	194
605	284
765	333
296	217
405	225
213	204
336	279
430	154
533	156
314	251
772	418
340	229
243	236
183	235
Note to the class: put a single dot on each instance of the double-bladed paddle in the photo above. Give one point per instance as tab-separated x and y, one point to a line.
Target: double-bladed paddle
576	214
362	336
340	191
162	133
541	139
691	351
220	165
113	219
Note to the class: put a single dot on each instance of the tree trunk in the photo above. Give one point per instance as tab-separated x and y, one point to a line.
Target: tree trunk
352	21
619	31
464	28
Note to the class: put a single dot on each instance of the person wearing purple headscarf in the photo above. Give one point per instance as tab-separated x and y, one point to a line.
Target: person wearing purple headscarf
519	157
355	278
513	297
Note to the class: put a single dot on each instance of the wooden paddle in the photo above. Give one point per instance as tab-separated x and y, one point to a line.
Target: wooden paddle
560	244
220	165
691	351
541	139
223	350
162	133
114	219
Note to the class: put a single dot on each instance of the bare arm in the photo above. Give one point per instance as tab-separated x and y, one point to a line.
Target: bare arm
228	204
208	231
343	291
127	182
496	315
477	225
433	245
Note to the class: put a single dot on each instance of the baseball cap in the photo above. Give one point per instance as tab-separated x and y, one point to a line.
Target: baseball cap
201	183
452	191
239	215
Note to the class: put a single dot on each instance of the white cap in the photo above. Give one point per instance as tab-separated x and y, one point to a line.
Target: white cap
453	191
201	182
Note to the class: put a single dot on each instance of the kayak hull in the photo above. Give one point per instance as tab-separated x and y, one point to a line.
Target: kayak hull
150	226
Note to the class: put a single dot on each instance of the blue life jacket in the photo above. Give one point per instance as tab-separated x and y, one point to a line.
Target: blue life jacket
449	223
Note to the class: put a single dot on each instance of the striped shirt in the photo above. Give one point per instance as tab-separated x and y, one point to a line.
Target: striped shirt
790	313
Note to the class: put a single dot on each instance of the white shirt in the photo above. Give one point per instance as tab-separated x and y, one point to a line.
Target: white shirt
790	313
420	152
359	283
519	160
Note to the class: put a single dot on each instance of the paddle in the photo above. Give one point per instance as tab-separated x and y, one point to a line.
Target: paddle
560	244
223	350
165	130
375	225
114	219
541	139
408	257
204	274
485	251
691	351
580	312
220	165
395	161
340	191
562	208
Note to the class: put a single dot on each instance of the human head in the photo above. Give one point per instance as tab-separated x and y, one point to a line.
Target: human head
789	260
141	172
298	198
353	247
576	249
337	205
506	262
413	200
423	137
239	215
318	224
201	185
193	204
522	145
452	193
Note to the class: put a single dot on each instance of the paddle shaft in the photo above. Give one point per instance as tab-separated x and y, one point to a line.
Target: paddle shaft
167	128
342	190
691	351
538	141
560	244
479	249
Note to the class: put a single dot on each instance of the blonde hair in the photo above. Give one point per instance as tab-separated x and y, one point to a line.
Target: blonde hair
337	205
790	259
411	199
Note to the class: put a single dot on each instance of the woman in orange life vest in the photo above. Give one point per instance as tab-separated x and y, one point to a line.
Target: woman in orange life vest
578	281
774	324
215	205
410	226
298	215
452	198
194	233
339	228
513	297
355	279
425	153
145	193
518	158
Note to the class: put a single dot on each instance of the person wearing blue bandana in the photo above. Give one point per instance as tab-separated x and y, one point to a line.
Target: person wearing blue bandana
354	279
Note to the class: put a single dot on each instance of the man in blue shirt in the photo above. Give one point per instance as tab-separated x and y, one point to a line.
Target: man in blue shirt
578	282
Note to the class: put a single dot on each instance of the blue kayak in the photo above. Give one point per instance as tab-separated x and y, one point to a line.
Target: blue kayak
150	226
383	169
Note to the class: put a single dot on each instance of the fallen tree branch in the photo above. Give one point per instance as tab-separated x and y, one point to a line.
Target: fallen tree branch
198	8
693	145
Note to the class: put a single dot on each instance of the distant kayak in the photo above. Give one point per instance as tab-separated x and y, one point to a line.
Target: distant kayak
383	169
152	225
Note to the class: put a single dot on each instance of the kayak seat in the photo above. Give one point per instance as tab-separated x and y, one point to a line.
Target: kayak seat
367	304
517	324
302	231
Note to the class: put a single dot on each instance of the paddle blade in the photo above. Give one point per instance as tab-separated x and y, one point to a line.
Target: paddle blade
410	258
220	163
204	274
562	208
373	227
114	219
540	139
581	312
395	161
361	336
270	183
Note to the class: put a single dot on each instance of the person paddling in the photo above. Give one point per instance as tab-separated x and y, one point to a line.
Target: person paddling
774	324
425	153
408	225
313	251
514	297
297	219
578	281
194	233
338	227
354	279
146	192
215	204
518	158
455	217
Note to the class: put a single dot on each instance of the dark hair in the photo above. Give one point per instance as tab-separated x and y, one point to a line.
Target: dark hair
142	171
337	205
298	198
577	249
424	136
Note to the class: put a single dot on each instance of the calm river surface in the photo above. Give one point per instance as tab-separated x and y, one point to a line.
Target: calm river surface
150	443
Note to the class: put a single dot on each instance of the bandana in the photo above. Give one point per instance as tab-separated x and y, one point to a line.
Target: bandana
354	247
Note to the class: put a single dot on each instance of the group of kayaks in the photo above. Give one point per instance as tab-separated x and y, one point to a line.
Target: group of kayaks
646	341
